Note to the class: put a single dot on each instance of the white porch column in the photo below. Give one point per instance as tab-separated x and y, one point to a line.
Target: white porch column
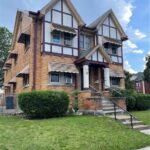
106	78
85	76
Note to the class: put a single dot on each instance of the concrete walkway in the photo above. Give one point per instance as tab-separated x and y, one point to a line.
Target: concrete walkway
146	148
146	131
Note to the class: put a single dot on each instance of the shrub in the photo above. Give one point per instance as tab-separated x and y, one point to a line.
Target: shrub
131	103
43	104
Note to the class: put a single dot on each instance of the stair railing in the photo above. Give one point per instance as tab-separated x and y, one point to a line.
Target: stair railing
116	105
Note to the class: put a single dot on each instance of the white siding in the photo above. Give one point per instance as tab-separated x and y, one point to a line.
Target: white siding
100	58
111	23
67	20
67	51
75	23
66	9
56	49
94	56
75	52
47	48
47	33
113	33
48	16
106	21
100	30
56	17
58	6
100	40
75	41
106	31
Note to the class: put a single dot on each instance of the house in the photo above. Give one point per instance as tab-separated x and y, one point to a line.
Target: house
53	49
140	85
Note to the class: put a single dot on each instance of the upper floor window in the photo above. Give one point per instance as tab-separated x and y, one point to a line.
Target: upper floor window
81	41
67	39
85	42
27	42
88	42
114	50
56	37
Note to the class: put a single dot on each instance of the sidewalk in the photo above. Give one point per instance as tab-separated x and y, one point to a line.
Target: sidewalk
146	148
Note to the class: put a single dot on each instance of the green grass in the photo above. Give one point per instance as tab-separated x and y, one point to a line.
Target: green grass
143	116
68	133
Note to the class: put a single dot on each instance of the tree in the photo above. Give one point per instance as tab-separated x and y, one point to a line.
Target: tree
5	43
129	85
147	70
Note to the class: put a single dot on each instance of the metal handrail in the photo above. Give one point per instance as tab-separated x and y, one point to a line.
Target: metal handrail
115	104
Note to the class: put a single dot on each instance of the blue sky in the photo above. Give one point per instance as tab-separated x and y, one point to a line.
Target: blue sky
134	16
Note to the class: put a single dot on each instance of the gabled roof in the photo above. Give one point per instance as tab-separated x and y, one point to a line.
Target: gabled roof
138	77
46	8
87	54
99	21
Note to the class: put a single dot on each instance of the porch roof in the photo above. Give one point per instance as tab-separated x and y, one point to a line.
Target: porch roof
86	54
59	67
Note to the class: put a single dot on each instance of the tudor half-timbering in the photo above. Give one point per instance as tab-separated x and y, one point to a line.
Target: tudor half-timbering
53	49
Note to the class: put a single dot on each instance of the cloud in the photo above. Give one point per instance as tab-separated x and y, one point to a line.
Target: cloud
129	68
131	45
139	34
138	51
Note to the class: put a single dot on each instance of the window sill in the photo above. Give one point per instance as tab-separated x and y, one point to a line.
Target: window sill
26	86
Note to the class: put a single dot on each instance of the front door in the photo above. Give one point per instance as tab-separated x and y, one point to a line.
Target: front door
96	78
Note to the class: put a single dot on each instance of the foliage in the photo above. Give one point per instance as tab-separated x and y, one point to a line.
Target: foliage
75	100
134	101
43	104
5	43
128	83
147	70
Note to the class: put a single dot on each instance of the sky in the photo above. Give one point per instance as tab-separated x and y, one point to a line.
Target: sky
134	16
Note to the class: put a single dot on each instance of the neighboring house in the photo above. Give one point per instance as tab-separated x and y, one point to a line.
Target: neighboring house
140	85
53	49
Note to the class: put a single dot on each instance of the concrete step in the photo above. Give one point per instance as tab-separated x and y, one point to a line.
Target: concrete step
108	105
94	98
141	127
106	102
110	112
110	108
134	122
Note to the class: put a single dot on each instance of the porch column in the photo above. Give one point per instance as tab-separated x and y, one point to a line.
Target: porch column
106	78
86	77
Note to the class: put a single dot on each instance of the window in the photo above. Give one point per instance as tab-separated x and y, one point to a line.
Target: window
114	50
26	80
68	78
54	77
115	81
26	42
81	41
67	39
88	42
57	37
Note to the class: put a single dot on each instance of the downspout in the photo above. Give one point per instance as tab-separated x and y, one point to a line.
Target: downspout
35	18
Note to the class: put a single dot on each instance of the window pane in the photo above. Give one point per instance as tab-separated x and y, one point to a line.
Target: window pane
67	39
114	50
81	41
88	42
26	80
113	33
68	78
120	59
115	81
56	37
54	77
67	20
105	31
114	59
106	21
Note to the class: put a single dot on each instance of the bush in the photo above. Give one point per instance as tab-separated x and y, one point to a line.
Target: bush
43	104
134	101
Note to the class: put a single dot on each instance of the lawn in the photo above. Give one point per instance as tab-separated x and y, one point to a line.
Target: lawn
68	133
143	116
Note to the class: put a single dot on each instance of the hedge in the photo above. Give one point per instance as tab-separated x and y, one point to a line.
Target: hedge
134	101
43	104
